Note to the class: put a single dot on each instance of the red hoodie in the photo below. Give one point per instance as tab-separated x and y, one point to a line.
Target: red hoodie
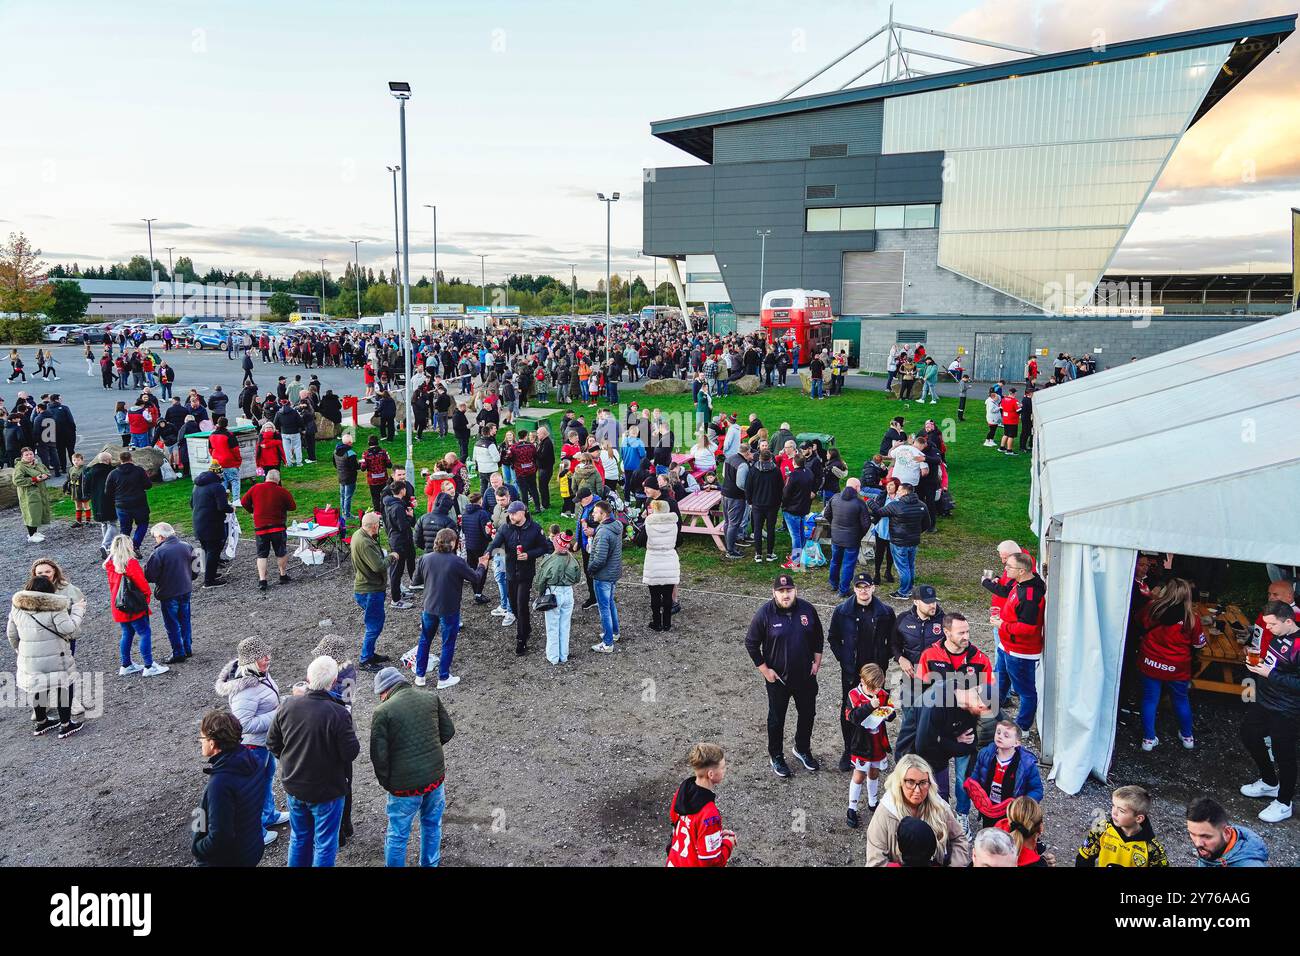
1005	583
697	828
1021	633
1166	649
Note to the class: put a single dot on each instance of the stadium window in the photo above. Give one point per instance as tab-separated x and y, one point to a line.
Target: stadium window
918	217
889	217
858	217
823	220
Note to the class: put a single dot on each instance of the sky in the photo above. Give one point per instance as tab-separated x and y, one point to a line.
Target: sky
258	133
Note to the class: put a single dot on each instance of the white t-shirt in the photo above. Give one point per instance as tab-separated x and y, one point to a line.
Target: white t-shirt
907	464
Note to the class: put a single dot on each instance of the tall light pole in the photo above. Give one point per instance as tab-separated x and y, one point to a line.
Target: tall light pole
356	275
609	204
171	271
629	291
762	262
482	281
322	287
397	246
153	276
435	254
655	293
573	277
402	92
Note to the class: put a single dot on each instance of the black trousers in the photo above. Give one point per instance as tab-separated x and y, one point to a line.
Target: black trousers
309	448
764	520
883	553
661	606
961	409
521	603
779	696
377	498
211	558
387	429
1259	723
463	442
528	489
544	488
591	587
905	388
471	557
847	683
62	700
405	562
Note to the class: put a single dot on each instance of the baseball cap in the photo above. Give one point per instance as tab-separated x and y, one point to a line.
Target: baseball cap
863	578
515	507
783	581
927	594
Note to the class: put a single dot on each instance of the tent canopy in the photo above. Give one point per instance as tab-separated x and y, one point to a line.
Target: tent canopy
1194	451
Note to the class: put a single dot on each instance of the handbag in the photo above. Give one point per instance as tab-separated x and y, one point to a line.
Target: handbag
130	599
545	602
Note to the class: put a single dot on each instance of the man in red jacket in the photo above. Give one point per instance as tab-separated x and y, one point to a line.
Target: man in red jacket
1002	586
1010	421
1020	638
270	504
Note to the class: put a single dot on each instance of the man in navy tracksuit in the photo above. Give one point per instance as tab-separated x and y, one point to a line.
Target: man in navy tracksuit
785	644
862	629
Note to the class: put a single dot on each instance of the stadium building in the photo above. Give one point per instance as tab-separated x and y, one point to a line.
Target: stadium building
976	209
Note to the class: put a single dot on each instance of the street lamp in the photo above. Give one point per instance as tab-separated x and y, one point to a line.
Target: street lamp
482	281
171	271
356	276
322	287
435	254
609	203
397	245
573	277
153	276
402	92
762	262
629	291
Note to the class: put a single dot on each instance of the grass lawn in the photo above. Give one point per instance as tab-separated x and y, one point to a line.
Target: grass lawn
991	490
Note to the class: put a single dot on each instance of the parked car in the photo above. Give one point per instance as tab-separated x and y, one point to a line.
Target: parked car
211	338
62	333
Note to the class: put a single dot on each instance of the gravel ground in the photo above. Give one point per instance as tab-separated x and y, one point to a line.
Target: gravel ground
567	765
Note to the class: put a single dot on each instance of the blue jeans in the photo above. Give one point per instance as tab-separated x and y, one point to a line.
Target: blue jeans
794	525
401	814
176	618
141	440
928	387
499	575
372	605
844	562
314	831
429	624
608	610
345	502
1152	688
817	385
961	770
230	481
126	519
129	630
270	815
557	624
584	389
905	561
1017	673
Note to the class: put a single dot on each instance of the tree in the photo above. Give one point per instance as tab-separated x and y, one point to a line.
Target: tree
23	288
281	304
184	269
69	303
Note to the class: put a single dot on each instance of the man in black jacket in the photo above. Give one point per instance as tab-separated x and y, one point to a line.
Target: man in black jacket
849	521
289	422
545	459
735	472
914	631
229	831
861	632
313	738
524	545
386	412
127	487
763	493
785	643
908	520
217	402
65	431
346	465
460	428
796	498
399	523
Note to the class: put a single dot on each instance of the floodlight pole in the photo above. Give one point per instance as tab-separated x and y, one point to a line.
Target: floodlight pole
401	98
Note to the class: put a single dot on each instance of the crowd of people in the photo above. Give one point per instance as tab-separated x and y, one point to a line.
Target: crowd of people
964	722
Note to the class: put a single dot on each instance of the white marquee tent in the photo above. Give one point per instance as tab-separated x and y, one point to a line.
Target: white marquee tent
1194	451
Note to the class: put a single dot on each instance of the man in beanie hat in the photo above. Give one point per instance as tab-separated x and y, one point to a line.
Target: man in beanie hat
916	843
407	732
860	633
247	684
313	737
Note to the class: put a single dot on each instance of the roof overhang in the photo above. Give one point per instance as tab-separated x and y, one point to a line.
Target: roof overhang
1253	41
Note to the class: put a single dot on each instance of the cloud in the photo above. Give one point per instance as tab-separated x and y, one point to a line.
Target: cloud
158	226
1269	252
1283	193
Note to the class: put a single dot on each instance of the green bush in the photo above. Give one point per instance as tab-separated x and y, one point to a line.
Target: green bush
27	331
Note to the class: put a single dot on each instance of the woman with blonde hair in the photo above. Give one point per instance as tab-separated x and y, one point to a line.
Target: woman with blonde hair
706	458
662	571
1024	821
1170	630
611	463
131	611
911	791
49	568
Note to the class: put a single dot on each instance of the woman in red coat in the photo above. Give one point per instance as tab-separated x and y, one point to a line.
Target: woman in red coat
1170	631
121	566
270	449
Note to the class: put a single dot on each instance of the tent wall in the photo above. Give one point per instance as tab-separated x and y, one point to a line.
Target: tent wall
1087	614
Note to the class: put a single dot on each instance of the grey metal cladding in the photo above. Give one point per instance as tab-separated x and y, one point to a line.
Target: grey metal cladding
789	137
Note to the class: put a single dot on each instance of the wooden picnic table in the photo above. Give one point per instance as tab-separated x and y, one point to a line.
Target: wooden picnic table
1221	665
702	514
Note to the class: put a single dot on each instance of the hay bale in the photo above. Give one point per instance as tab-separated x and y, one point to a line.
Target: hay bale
746	385
8	493
150	459
326	430
666	386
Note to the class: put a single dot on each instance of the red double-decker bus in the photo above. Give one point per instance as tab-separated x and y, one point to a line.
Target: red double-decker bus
799	317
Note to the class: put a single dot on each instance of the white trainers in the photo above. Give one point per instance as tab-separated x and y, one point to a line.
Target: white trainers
1151	744
1259	789
1275	812
420	680
155	670
451	681
268	837
1189	743
137	668
615	637
282	819
36	538
989	444
603	648
498	612
400	605
508	620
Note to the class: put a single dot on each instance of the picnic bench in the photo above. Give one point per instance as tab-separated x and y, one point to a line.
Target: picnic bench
702	514
1220	664
689	461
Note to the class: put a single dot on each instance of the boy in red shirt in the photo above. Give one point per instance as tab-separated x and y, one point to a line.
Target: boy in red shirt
698	837
1010	421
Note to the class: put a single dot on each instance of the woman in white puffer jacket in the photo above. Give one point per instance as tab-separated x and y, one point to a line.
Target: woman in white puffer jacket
254	698
41	626
661	571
